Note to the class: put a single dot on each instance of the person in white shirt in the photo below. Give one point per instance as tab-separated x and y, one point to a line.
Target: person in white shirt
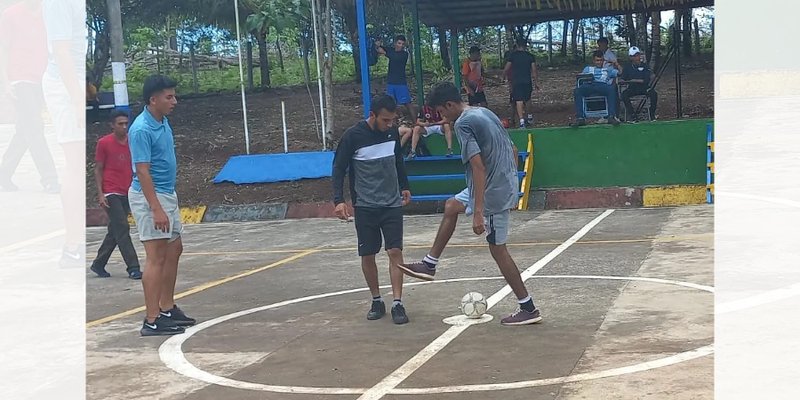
609	56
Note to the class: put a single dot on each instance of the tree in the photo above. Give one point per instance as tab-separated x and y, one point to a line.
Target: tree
641	31
97	21
574	44
630	30
277	15
444	49
686	30
326	14
564	31
192	34
655	60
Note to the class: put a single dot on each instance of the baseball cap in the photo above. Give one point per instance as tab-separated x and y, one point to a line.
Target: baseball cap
633	51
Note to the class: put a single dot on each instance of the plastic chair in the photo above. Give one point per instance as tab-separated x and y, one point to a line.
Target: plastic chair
593	106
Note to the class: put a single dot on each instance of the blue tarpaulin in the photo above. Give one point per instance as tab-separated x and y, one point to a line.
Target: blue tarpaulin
264	168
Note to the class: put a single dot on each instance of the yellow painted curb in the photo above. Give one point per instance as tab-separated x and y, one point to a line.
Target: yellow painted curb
189	215
674	196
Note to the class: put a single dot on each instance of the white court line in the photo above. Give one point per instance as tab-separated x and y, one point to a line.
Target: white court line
172	355
386	385
629	369
28	242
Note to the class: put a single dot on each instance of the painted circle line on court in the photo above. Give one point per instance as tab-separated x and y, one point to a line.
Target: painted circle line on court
172	355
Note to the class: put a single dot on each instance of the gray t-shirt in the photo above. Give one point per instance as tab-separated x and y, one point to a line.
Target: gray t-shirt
481	132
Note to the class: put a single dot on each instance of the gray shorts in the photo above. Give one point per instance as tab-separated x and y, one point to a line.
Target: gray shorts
144	216
497	227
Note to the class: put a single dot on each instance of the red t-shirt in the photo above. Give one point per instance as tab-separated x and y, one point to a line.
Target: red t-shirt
22	35
117	168
429	114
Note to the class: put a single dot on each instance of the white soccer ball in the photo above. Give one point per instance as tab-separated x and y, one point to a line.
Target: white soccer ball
473	305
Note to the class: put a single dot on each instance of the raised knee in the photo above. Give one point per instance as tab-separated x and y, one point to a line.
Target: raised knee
452	207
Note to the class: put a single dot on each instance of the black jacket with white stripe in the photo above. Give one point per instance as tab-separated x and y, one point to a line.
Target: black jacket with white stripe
374	162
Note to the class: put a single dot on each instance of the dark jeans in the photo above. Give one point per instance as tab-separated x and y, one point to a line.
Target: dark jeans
637	91
29	135
596	89
118	234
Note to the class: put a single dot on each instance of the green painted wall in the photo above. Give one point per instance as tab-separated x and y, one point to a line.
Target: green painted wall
644	154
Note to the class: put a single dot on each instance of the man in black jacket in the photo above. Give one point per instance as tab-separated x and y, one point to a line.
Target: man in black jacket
370	154
637	76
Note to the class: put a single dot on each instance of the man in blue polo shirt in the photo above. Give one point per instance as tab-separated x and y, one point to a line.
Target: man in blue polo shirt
154	205
602	84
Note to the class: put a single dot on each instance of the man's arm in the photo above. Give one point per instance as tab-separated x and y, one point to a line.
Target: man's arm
535	74
465	76
402	176
98	180
379	47
99	166
341	163
507	70
516	155
479	191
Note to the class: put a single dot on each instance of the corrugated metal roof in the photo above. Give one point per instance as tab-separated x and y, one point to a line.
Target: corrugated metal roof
472	13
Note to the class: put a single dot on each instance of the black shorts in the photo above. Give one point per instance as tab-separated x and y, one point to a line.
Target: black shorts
521	92
371	222
477	99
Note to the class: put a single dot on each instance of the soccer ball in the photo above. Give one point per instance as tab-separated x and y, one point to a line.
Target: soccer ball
473	305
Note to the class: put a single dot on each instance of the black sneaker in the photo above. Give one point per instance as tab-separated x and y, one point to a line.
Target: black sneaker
399	316
160	327
613	121
135	274
177	315
101	272
377	311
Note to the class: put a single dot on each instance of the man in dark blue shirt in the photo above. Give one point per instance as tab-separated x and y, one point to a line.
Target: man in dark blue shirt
396	83
524	75
637	76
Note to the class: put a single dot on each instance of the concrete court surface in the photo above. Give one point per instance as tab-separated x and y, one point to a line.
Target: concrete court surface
601	338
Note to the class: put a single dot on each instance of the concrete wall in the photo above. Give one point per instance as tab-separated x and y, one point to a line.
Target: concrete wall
595	156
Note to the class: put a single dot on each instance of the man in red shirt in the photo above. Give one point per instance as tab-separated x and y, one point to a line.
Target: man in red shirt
113	173
22	64
428	122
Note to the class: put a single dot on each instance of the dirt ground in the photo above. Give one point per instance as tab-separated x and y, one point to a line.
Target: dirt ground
208	129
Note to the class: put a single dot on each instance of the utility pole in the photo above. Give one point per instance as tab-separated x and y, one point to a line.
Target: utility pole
117	56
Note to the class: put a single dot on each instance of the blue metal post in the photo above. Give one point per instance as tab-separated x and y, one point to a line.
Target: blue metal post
709	163
362	45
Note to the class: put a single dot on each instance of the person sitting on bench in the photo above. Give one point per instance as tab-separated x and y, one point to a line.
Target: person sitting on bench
601	85
429	121
637	76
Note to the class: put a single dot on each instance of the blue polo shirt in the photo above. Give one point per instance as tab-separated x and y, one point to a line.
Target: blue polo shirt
152	142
